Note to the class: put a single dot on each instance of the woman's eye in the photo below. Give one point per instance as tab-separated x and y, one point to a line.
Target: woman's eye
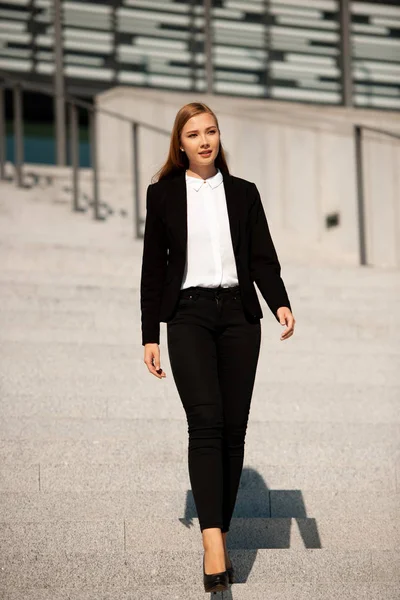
190	135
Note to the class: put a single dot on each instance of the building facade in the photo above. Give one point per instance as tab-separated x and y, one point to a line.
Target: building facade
277	49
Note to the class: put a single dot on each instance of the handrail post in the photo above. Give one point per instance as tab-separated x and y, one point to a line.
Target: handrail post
93	157
3	152
360	195
136	186
18	134
59	85
74	149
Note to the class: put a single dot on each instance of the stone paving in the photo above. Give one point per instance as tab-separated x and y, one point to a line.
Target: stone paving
95	500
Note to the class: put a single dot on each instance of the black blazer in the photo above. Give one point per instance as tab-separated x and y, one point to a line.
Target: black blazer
164	251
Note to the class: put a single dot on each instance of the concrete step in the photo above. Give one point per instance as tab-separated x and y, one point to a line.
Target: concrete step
51	292
143	448
313	293
43	378
173	475
93	355
63	278
94	536
122	308
339	284
113	326
108	572
175	507
259	474
147	475
74	261
342	403
120	350
130	335
273	590
259	432
103	314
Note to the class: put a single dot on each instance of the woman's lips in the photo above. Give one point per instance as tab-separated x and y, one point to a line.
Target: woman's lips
206	154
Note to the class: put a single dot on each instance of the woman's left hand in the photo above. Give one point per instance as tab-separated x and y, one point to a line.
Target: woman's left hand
286	318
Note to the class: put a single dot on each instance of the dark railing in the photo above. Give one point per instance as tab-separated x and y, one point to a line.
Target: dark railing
358	135
73	105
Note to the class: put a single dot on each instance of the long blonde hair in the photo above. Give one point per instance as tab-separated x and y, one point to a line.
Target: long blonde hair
177	161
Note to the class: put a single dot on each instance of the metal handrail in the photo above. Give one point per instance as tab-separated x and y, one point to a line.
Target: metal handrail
383	131
362	231
18	85
49	91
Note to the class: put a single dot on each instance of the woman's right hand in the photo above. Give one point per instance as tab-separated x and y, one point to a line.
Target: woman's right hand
152	359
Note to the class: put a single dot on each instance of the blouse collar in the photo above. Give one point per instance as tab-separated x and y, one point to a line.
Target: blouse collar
196	182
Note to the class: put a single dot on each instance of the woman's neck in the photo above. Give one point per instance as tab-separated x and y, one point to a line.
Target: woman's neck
203	173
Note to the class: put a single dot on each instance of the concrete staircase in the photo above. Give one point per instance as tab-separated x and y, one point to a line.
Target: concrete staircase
95	500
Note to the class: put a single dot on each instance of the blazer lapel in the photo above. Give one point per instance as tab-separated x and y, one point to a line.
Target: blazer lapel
233	209
177	209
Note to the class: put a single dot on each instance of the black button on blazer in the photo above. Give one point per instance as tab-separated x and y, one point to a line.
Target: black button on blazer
165	242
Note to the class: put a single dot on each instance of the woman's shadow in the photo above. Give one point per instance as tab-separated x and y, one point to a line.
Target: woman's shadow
262	519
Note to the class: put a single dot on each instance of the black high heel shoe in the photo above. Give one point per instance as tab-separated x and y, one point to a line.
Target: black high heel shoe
215	582
231	573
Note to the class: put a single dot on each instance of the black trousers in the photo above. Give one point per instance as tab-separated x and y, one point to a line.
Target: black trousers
213	351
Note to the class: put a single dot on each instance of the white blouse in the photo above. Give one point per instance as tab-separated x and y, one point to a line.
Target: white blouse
210	260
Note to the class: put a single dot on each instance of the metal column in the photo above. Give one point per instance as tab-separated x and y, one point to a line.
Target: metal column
192	44
93	160
360	195
208	47
345	60
59	88
18	135
74	151
136	182
3	136
266	21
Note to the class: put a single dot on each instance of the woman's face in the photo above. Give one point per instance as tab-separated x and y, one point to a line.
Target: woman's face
200	134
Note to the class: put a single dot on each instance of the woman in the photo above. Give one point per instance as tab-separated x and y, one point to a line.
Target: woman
206	242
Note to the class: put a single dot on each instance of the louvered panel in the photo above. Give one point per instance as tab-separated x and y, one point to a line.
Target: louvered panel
280	28
15	38
282	49
157	38
376	62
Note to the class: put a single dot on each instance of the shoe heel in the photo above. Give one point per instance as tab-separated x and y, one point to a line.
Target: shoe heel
231	574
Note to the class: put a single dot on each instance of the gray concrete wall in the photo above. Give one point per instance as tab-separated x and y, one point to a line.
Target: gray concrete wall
302	158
